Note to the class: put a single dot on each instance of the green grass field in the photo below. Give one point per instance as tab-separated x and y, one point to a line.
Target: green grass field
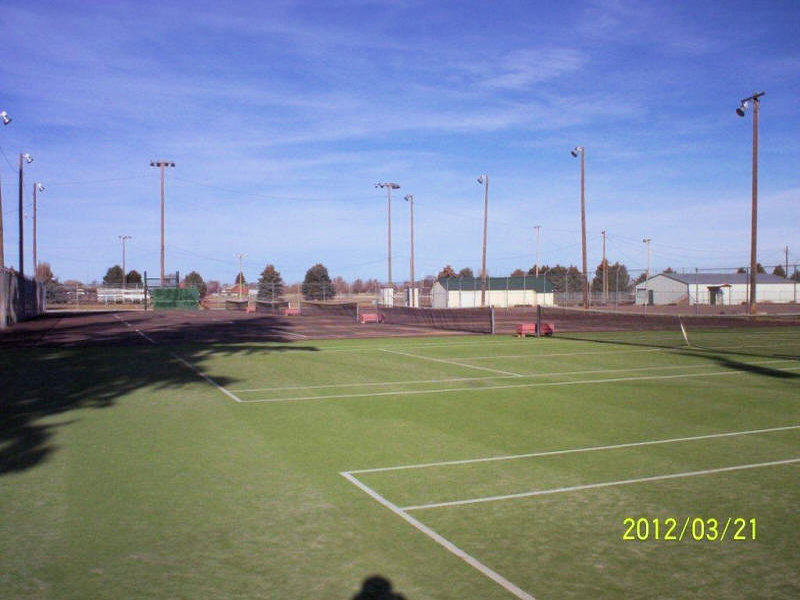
297	470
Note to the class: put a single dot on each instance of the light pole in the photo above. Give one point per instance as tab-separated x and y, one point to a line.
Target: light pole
23	158
6	120
240	276
410	199
484	179
388	186
605	272
538	229
743	104
37	187
575	152
124	273
162	164
647	273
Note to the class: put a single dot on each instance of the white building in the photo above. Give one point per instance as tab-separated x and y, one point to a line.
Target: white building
465	292
714	288
129	295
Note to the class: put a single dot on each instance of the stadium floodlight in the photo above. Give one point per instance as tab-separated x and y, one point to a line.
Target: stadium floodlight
484	180
742	108
23	158
755	100
389	186
124	238
410	199
37	187
6	121
162	164
647	241
575	152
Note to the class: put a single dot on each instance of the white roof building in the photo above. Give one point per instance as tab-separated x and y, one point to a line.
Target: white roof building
714	288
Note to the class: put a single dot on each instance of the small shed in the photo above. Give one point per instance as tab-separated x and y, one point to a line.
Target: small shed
465	292
714	288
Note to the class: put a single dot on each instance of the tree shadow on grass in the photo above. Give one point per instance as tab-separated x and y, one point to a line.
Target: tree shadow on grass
55	365
727	358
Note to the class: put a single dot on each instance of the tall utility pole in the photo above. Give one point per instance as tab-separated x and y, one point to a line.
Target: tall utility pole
538	229
786	253
40	188
755	99
23	158
2	248
605	271
575	152
162	164
410	199
6	120
647	274
388	186
484	179
124	272
240	276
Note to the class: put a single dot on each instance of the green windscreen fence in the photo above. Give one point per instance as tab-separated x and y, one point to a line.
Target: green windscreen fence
175	298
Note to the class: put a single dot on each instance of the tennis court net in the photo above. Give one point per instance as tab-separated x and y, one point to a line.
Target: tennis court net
329	309
765	335
471	320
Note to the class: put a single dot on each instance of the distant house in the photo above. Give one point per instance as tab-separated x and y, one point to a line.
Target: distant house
713	288
239	289
463	292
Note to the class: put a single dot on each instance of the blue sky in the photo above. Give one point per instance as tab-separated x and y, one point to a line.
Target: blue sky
281	116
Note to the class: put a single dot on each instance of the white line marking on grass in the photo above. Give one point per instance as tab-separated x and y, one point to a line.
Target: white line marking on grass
186	363
300	335
206	377
560	354
139	331
451	362
490	377
445	543
510	386
447	463
605	484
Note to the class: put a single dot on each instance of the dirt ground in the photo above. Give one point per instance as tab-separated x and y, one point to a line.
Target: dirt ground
126	327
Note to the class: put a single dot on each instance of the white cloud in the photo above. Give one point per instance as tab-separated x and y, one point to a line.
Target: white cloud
521	69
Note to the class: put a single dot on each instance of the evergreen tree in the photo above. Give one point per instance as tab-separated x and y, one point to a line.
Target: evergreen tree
113	276
466	272
448	271
618	278
317	284
564	279
759	269
195	280
779	271
270	285
133	277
